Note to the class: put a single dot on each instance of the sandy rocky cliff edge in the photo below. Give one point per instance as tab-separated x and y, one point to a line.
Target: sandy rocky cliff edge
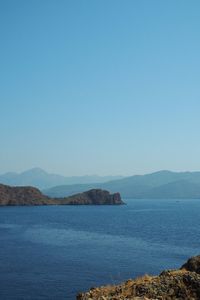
183	283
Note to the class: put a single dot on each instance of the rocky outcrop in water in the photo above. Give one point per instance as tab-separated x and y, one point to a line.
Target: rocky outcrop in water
169	285
94	196
32	196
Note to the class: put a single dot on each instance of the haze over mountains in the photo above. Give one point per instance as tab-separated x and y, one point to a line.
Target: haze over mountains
160	185
39	178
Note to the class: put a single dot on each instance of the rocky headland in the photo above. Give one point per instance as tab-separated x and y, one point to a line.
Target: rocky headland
94	196
183	284
33	196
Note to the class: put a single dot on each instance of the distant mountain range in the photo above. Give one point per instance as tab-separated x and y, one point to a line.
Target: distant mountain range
39	178
160	185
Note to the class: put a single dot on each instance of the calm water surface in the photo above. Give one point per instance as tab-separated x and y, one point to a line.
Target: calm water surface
54	252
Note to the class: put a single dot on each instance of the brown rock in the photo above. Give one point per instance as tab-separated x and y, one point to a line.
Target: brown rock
32	196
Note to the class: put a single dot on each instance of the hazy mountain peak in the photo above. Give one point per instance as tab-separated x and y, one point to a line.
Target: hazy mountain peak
34	171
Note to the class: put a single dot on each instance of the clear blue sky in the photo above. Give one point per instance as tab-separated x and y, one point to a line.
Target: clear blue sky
99	87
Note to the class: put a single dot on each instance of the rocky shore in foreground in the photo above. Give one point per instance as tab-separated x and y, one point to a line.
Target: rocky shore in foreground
32	196
183	284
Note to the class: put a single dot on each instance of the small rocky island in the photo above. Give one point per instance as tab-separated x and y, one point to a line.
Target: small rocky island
32	196
183	283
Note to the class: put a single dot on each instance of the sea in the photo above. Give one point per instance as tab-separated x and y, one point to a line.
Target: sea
55	252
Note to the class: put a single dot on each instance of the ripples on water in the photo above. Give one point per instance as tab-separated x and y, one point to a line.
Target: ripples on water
53	252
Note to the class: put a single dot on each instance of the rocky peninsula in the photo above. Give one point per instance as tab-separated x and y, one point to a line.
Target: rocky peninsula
33	196
183	284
